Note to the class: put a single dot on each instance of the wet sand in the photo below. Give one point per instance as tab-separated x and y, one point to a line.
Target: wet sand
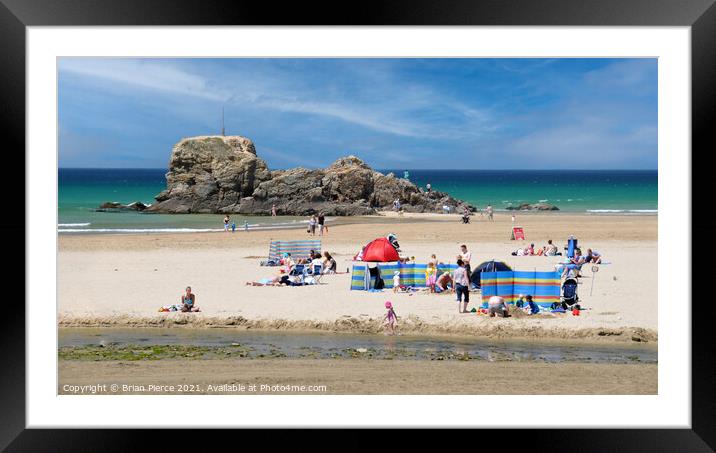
357	376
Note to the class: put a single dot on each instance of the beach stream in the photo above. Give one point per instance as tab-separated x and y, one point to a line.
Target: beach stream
155	343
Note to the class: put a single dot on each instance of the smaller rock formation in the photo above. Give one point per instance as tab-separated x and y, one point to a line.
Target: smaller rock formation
113	206
533	207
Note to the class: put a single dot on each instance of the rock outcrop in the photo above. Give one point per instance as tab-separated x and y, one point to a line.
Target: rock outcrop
533	207
113	206
217	174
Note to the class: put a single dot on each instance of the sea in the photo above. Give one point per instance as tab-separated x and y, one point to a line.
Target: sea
614	192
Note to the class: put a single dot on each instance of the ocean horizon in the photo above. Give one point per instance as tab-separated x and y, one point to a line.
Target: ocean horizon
619	192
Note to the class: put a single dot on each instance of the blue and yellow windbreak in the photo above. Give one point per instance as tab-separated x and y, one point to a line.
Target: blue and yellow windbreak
544	287
297	249
410	274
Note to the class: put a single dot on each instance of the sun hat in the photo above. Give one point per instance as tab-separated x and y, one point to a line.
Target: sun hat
396	273
388	305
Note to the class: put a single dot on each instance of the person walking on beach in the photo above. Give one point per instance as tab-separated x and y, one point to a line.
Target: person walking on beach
462	287
321	223
273	210
226	222
391	319
489	212
312	225
246	226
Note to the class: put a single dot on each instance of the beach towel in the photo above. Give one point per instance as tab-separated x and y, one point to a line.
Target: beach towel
298	249
411	274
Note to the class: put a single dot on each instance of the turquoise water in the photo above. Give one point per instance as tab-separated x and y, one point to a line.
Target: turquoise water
598	191
81	191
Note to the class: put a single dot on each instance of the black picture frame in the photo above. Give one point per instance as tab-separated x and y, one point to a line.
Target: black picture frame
700	15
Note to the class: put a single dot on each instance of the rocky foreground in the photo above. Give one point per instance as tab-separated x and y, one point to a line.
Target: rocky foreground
223	174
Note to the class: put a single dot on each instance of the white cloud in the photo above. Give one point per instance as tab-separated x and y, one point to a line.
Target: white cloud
150	75
394	112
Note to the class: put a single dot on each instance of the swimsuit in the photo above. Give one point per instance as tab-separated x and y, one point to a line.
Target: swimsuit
391	316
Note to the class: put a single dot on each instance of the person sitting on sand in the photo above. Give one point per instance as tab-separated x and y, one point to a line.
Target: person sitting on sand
329	264
391	319
188	300
496	306
444	282
550	249
532	307
593	257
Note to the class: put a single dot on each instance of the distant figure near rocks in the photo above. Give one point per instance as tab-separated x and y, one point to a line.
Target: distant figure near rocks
223	174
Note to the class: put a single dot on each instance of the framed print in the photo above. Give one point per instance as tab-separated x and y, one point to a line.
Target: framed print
474	216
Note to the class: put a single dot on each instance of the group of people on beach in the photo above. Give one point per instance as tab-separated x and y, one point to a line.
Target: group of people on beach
231	225
488	211
317	263
317	222
548	250
575	263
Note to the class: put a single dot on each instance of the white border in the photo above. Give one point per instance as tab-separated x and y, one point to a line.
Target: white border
670	408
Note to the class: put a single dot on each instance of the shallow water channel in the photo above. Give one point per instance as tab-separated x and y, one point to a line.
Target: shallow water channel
255	344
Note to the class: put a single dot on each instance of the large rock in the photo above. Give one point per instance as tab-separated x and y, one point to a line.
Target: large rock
217	174
209	174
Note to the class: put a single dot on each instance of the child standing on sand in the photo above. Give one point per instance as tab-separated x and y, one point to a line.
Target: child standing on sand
431	275
391	319
396	281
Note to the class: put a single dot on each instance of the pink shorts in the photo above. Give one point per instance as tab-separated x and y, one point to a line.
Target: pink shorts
431	280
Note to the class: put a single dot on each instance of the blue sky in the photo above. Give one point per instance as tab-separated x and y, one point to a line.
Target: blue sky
392	113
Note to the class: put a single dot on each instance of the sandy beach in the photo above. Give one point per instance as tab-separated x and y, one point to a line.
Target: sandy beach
336	377
122	280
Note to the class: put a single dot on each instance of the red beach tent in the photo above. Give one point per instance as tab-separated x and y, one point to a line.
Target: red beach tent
379	250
